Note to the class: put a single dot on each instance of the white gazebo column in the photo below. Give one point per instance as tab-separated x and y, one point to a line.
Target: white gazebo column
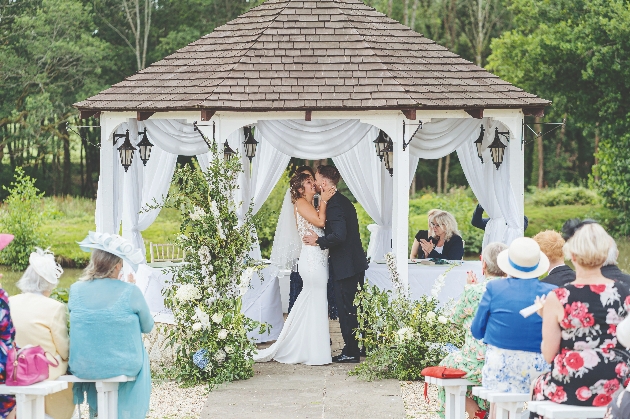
106	217
400	214
513	120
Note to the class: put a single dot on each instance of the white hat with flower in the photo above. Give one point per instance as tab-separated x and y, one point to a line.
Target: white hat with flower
43	262
114	244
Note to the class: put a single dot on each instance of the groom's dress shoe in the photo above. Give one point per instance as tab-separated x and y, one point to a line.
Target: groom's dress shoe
345	359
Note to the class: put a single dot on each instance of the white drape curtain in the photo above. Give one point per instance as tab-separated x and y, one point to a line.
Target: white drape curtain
491	186
348	142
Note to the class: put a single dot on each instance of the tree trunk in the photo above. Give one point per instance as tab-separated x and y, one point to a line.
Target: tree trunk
66	181
439	176
406	13
596	146
541	158
447	164
390	8
413	186
414	12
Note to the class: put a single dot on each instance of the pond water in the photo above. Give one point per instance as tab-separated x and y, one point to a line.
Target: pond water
10	278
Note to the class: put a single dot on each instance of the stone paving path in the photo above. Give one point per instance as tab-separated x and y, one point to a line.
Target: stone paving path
279	391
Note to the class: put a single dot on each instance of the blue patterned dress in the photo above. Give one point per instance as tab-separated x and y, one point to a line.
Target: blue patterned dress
7	338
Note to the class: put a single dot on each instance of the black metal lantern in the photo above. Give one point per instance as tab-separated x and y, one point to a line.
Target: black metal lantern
381	143
250	143
388	157
145	147
497	148
228	153
479	143
125	150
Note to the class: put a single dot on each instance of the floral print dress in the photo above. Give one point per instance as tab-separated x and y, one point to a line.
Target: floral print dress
7	337
472	354
587	371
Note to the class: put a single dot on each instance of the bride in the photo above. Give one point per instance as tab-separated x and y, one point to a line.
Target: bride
305	337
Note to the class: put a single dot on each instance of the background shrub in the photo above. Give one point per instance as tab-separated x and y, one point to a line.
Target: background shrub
22	215
563	194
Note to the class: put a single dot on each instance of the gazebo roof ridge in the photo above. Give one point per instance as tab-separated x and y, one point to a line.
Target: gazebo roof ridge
297	55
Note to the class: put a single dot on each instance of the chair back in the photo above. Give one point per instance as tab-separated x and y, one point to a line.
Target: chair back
163	252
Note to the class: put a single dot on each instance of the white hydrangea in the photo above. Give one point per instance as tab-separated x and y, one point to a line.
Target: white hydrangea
197	213
214	210
431	316
202	317
196	327
223	334
204	255
404	334
188	292
219	356
442	319
228	349
217	317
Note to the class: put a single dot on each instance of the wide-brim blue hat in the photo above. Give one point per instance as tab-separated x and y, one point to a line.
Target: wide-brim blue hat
114	244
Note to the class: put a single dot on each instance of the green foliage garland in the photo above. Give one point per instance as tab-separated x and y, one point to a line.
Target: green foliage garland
205	295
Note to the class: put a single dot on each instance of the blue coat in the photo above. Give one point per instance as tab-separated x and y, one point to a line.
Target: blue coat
498	321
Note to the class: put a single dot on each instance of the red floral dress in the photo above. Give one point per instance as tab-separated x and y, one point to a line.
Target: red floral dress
587	372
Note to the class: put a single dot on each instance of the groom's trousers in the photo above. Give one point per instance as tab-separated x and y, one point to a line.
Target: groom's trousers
345	290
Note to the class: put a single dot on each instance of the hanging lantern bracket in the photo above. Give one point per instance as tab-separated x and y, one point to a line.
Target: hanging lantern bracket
406	144
205	139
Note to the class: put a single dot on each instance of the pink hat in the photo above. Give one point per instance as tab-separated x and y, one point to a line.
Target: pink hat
5	239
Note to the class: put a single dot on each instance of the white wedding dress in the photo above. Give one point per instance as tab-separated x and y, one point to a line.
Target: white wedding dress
305	337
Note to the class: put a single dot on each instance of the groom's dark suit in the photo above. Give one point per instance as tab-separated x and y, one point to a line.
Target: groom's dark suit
346	262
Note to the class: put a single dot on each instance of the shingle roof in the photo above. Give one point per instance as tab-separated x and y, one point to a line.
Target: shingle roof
312	55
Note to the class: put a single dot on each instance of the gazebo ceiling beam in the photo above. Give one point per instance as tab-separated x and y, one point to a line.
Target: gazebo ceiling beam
85	114
409	113
144	115
207	114
476	113
537	112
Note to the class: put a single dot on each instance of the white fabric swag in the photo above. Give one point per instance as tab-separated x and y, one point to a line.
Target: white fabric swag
349	142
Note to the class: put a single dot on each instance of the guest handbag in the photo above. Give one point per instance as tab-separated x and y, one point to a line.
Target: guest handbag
28	365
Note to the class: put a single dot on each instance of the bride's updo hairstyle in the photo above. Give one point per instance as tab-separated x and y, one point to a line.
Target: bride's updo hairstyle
297	185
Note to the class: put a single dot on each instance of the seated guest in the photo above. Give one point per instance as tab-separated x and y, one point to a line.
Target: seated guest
444	241
40	320
480	222
579	326
470	358
619	407
513	358
7	341
610	269
551	243
108	318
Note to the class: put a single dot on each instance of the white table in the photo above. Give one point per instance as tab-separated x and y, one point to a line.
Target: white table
261	303
422	278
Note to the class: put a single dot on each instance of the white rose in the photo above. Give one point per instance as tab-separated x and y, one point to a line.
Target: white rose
217	318
228	349
222	334
196	327
442	319
431	316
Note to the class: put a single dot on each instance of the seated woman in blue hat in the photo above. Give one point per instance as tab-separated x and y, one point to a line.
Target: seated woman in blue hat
513	357
108	317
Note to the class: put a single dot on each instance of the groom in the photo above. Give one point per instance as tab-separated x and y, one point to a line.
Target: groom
346	260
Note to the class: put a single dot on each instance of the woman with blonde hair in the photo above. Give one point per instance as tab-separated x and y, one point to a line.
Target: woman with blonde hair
443	241
580	325
40	320
108	317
